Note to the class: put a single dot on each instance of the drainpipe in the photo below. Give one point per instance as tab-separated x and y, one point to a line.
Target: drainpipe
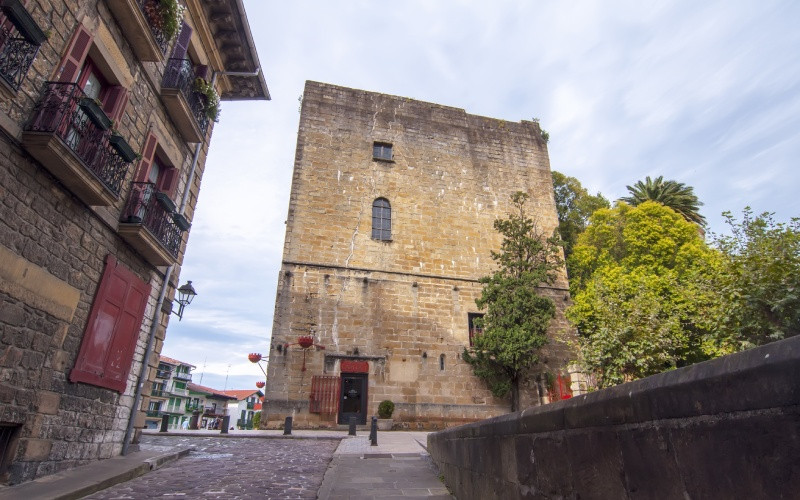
137	398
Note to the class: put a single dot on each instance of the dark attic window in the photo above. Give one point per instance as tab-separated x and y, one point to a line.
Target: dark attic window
382	151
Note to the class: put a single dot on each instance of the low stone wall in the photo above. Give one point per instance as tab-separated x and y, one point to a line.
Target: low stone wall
726	428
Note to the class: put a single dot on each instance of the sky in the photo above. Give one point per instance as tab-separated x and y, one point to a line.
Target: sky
704	93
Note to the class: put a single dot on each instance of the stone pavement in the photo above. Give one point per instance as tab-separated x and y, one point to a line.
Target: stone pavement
265	464
399	467
233	468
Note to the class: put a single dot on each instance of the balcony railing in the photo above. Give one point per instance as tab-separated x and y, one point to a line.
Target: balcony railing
179	392
19	43
142	22
193	407
154	413
185	105
159	393
16	57
181	375
163	373
152	12
146	211
69	135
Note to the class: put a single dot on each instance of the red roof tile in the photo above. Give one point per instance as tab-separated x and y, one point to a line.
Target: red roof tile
241	394
172	361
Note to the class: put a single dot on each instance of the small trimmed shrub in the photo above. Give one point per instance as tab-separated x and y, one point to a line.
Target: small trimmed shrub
385	409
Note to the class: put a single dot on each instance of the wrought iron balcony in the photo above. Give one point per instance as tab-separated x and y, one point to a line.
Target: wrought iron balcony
184	104
182	376
149	227
69	135
19	43
141	22
163	373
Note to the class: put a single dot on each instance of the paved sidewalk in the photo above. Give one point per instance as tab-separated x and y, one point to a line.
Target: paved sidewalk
96	476
399	467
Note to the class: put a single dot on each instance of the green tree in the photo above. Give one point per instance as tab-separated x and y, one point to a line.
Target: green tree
641	300
517	318
675	195
574	206
759	281
257	420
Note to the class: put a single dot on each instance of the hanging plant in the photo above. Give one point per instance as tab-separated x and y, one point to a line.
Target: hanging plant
171	17
211	106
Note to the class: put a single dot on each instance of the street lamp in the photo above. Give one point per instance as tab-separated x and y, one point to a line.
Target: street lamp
186	294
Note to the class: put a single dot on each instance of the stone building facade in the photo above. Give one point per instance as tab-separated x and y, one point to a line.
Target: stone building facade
104	131
390	226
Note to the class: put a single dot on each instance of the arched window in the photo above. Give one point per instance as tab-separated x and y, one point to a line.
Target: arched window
381	220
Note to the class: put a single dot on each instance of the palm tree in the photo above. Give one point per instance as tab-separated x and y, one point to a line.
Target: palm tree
675	195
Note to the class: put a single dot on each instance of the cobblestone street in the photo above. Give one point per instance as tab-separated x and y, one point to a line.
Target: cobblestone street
232	468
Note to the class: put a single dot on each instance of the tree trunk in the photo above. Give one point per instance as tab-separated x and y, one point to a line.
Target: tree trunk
514	394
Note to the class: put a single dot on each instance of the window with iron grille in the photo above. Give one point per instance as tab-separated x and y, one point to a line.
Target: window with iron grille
382	151
381	220
474	329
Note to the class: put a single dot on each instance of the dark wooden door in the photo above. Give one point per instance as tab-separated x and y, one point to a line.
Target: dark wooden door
353	398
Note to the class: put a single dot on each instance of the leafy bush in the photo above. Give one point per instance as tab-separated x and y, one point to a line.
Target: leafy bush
385	409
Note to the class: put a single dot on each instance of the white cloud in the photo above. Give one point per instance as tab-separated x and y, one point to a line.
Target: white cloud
705	93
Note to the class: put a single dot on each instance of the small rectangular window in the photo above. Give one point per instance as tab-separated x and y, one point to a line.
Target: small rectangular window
382	151
474	329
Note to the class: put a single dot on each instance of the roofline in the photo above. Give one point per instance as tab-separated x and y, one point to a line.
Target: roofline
249	36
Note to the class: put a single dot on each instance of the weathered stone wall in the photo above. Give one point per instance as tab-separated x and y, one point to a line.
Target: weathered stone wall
49	234
399	304
726	428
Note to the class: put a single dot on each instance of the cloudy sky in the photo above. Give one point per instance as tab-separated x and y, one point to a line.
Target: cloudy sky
705	93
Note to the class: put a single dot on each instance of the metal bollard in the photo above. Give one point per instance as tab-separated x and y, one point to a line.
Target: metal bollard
373	432
226	421
287	427
164	423
352	431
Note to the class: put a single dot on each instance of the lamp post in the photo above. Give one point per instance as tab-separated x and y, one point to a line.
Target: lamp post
186	294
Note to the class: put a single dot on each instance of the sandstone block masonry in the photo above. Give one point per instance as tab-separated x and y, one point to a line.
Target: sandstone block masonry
392	309
73	334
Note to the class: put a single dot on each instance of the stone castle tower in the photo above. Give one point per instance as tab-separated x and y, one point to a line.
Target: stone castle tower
389	228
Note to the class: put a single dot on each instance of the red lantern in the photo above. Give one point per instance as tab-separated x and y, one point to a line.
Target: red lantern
254	357
260	384
305	342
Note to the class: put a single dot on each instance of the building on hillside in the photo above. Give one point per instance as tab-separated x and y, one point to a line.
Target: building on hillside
390	226
208	405
106	113
170	394
244	407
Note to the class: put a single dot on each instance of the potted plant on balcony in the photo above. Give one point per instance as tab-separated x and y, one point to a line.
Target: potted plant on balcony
166	16
385	410
92	109
122	147
211	105
16	12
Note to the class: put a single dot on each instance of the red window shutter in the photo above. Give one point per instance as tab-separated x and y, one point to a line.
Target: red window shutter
168	181
72	62
182	43
148	153
115	100
109	340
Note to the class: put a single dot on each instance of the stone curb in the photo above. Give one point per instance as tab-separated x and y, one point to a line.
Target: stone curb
91	478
